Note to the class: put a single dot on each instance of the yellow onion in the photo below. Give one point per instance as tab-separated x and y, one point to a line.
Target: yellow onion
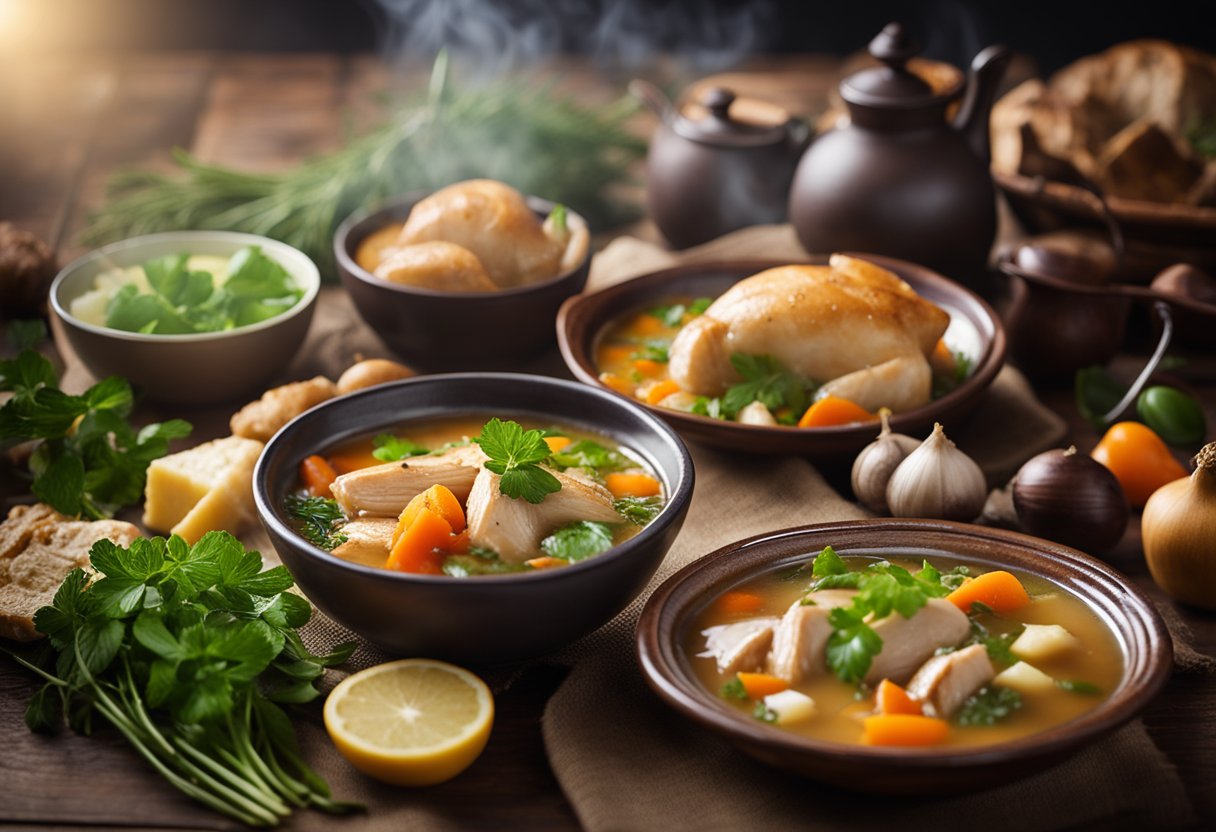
1179	532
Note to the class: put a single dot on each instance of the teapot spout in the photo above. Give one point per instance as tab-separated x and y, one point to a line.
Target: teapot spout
972	120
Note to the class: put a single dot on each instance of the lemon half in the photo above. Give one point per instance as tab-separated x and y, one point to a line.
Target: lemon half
414	722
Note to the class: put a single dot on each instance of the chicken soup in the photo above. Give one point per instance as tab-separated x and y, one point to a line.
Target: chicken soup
902	653
466	497
805	346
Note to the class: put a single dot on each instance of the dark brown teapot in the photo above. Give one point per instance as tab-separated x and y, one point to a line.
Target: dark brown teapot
901	179
718	173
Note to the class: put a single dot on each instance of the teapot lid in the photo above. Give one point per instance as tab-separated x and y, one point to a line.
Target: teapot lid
892	84
718	127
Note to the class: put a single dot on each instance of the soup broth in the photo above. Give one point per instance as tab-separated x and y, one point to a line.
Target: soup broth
1083	674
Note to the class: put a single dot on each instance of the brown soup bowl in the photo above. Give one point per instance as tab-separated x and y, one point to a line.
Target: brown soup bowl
487	619
584	319
447	331
669	614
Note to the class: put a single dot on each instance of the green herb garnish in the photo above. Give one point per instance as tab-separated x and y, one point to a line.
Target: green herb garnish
762	713
988	706
186	651
705	406
89	459
558	215
592	456
319	518
578	541
514	454
389	448
479	561
1078	687
698	306
943	384
998	645
733	690
652	352
672	315
639	510
766	381
25	334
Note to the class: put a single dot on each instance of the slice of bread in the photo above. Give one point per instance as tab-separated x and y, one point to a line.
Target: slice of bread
38	548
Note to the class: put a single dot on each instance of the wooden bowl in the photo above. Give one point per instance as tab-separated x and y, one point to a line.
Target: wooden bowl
583	319
671	610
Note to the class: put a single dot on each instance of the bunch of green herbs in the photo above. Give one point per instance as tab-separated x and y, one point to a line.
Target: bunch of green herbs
188	651
525	136
88	458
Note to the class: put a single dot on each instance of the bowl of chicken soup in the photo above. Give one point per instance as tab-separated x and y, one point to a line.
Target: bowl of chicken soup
781	357
479	517
467	277
903	656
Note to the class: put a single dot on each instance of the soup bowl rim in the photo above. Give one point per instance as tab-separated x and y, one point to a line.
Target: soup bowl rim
659	654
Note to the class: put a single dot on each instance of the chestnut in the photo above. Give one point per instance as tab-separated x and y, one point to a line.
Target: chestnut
1070	498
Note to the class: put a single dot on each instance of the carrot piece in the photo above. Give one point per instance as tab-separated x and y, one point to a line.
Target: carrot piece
437	499
422	545
737	602
632	485
546	563
648	368
557	443
615	354
1139	459
317	475
833	410
354	461
942	359
646	325
617	384
903	730
999	590
892	699
661	391
760	685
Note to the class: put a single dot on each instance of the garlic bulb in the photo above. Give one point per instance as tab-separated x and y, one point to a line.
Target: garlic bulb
937	480
876	463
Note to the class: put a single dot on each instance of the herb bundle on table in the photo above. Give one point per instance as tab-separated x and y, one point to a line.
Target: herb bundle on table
524	136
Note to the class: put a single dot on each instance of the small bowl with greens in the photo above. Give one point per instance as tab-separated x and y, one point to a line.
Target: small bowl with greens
189	317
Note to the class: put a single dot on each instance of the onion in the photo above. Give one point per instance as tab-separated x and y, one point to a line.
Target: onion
1068	497
1179	531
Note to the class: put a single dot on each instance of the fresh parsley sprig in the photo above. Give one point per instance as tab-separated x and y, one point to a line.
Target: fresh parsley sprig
186	650
766	380
89	459
389	448
515	455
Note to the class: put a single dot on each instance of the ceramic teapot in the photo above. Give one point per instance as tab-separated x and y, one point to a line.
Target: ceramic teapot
901	179
714	174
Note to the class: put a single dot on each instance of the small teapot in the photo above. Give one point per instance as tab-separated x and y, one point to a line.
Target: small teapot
711	175
901	179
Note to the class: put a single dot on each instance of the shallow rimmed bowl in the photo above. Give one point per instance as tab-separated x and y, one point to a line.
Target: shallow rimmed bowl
668	615
583	321
205	368
441	331
491	618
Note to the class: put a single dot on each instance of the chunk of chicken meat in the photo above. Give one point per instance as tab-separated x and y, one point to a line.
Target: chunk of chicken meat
493	221
741	646
800	641
514	528
368	540
908	642
944	683
823	322
384	490
444	267
899	384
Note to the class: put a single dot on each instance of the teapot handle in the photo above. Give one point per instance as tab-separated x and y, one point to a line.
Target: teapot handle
651	96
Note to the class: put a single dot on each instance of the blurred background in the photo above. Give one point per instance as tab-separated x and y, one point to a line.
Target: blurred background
709	34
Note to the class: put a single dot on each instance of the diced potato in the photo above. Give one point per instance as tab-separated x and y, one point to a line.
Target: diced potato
757	414
1025	678
790	706
1044	641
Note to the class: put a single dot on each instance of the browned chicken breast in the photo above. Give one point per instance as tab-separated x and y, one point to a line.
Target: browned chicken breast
493	221
444	267
823	322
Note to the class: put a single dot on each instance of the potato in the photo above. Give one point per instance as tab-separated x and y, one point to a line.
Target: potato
1043	641
790	706
1025	678
369	373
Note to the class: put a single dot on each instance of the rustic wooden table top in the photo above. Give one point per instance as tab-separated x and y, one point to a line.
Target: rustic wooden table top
69	125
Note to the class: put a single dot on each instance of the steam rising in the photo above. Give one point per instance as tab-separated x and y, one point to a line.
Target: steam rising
495	37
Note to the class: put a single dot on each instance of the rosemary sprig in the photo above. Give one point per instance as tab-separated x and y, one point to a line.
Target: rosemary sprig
522	135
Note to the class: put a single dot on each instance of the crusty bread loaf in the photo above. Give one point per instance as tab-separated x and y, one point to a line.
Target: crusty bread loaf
38	548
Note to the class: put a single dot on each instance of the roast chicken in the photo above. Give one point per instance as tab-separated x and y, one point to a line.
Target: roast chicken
852	326
444	267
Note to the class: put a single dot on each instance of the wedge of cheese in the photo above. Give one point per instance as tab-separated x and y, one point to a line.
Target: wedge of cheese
205	488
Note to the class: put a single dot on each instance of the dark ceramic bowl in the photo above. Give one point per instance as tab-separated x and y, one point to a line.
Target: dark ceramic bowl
670	611
204	369
441	331
974	326
486	619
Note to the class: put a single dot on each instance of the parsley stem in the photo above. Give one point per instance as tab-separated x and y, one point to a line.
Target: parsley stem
266	799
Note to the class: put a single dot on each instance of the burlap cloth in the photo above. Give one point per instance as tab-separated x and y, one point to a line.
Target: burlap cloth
626	762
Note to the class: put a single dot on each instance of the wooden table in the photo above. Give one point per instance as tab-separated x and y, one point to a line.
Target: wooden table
71	124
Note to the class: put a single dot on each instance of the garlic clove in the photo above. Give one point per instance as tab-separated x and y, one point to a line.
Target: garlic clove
937	480
873	467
